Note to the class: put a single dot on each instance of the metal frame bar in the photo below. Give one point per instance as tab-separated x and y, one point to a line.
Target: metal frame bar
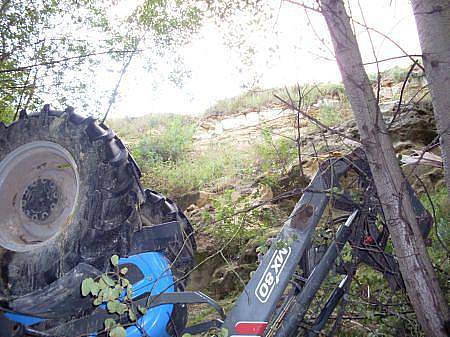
258	301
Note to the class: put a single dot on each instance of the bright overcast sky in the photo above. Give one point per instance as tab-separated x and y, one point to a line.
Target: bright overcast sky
287	52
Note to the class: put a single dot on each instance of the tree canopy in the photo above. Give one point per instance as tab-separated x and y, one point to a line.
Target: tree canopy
46	45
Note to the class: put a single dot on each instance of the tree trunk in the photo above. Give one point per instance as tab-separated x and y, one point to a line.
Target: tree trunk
433	24
415	266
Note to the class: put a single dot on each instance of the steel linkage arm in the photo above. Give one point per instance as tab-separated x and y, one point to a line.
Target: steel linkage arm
304	298
258	301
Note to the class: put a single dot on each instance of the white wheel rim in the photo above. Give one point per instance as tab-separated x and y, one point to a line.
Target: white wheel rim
39	186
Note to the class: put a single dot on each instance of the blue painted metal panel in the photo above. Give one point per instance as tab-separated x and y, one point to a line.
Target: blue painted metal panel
23	319
157	278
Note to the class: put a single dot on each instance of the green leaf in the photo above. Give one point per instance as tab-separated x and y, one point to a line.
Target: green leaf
109	323
112	306
97	301
116	292
108	294
115	260
142	310
224	332
102	284
124	282
95	288
124	270
108	280
129	294
132	315
122	308
118	331
187	335
86	286
116	307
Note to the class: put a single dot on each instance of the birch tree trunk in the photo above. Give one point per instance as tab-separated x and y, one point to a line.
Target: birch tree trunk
433	25
415	265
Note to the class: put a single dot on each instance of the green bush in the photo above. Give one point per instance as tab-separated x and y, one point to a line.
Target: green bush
196	171
234	224
167	145
275	155
329	115
6	114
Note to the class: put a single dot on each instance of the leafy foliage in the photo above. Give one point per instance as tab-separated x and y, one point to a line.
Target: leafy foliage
162	146
38	48
116	292
42	57
236	222
213	168
167	145
275	154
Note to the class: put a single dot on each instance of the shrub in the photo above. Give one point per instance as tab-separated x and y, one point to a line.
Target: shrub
167	145
196	171
275	155
234	226
329	116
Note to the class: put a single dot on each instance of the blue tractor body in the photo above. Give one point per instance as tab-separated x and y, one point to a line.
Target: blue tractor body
155	278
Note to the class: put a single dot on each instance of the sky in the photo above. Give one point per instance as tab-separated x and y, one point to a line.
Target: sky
288	48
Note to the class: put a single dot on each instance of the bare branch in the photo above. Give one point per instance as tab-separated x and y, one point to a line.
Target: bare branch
315	120
66	59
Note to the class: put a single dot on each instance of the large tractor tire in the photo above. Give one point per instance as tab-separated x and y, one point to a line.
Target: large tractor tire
158	210
69	194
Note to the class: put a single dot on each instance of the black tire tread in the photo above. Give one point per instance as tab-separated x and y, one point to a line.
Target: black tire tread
109	209
159	209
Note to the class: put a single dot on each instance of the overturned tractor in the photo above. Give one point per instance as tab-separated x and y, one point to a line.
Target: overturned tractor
71	197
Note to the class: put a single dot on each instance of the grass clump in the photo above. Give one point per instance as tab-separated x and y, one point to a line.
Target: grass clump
250	100
329	115
166	145
196	171
133	129
275	155
164	151
234	225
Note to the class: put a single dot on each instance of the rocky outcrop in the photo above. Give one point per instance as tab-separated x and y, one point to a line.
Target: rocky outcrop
244	128
197	198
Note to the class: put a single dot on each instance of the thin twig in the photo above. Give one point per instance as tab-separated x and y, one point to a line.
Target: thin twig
315	120
433	209
405	81
299	139
392	58
374	55
78	57
112	99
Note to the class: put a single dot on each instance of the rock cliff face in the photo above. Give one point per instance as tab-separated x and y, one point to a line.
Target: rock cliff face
243	128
